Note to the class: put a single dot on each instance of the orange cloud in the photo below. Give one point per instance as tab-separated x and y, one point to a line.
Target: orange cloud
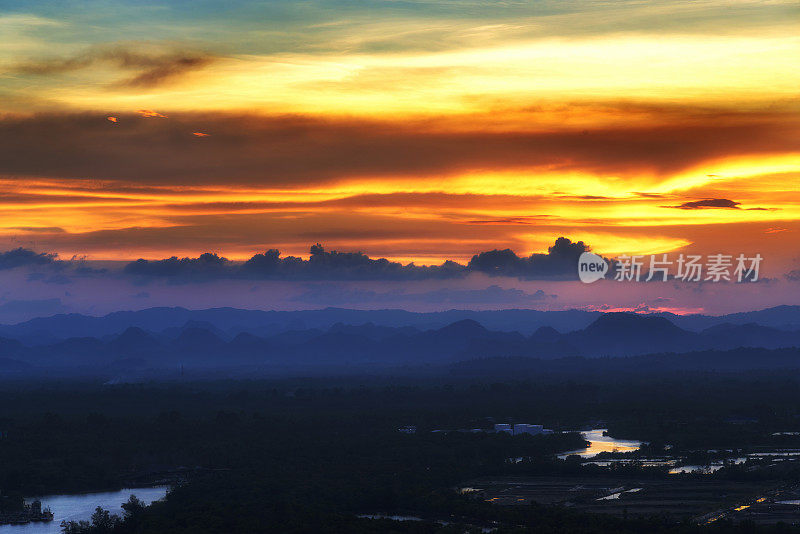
421	190
151	113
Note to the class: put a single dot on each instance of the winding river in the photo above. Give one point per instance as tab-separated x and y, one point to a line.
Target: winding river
81	507
599	443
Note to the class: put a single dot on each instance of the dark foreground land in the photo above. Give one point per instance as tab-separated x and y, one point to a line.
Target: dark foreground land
325	455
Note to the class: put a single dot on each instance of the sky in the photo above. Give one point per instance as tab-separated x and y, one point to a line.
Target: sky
416	131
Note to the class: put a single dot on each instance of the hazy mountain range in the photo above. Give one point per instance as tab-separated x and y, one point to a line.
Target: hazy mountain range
168	338
233	321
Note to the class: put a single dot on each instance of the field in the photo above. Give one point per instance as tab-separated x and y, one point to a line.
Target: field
696	498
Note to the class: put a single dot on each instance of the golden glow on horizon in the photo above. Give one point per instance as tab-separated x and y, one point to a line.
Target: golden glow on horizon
646	89
508	202
732	168
646	309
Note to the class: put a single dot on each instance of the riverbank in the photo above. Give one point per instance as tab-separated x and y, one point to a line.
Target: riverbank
79	507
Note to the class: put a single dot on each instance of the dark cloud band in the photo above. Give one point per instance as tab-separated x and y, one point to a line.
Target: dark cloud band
559	263
298	151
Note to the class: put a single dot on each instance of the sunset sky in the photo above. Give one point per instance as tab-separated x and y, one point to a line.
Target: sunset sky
411	130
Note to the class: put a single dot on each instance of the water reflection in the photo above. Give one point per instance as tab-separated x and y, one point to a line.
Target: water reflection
706	469
599	443
701	469
618	494
80	507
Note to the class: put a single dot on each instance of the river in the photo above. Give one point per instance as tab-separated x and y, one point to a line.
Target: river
81	507
599	443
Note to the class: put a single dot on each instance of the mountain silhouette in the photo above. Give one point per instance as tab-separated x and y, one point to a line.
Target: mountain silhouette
368	345
132	341
730	335
197	339
624	334
546	334
227	322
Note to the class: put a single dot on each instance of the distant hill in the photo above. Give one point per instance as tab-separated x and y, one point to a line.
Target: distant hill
780	317
234	321
624	334
200	344
227	323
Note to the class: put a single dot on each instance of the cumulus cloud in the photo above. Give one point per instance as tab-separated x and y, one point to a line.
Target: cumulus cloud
207	265
19	257
321	265
151	65
558	263
46	267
